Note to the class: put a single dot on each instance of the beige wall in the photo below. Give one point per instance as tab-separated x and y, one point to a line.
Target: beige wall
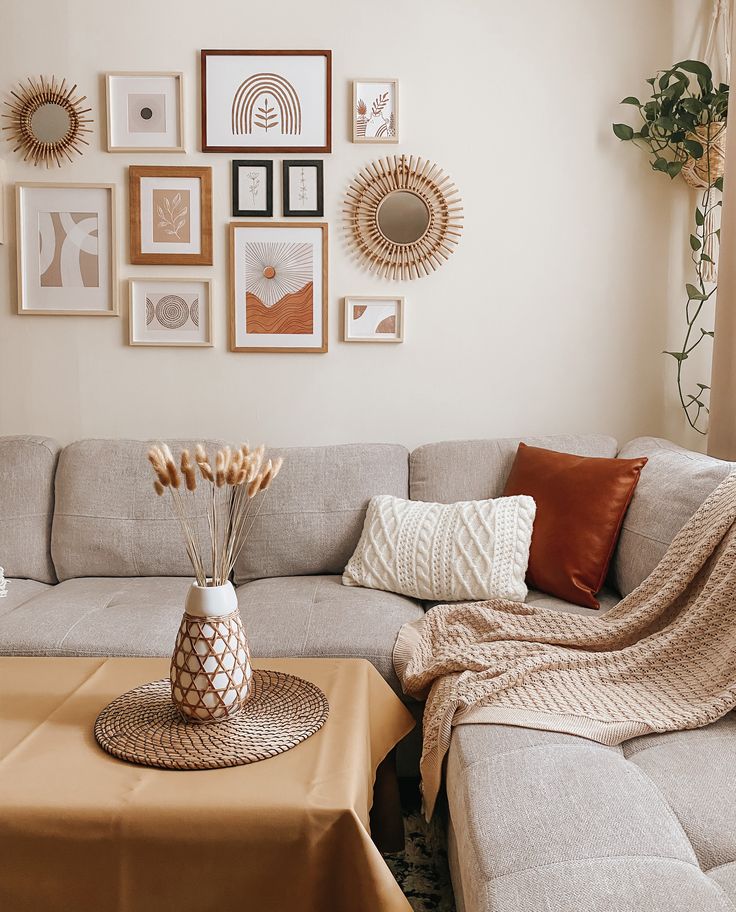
549	318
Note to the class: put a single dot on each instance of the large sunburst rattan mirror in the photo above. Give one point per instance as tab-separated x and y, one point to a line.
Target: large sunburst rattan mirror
403	216
46	121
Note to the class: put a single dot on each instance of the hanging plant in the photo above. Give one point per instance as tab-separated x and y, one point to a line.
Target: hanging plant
683	131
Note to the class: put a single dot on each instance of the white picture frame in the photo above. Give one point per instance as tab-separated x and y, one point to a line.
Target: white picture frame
145	112
66	249
170	312
278	287
373	318
375	111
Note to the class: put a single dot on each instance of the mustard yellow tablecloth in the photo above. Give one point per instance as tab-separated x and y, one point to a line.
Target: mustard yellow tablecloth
83	832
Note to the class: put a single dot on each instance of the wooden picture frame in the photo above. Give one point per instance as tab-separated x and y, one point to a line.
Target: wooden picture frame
385	323
255	165
299	276
156	105
244	91
171	314
84	280
153	240
379	121
315	192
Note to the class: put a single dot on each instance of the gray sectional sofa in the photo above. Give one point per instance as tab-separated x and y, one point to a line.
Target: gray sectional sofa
537	820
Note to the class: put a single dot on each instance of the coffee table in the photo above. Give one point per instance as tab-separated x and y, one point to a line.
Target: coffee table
82	831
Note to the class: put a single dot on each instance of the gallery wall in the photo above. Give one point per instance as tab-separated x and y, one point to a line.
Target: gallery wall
548	318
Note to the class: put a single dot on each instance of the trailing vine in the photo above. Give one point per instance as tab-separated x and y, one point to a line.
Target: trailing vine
683	131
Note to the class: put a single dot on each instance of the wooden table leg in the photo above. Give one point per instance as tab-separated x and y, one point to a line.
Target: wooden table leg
387	821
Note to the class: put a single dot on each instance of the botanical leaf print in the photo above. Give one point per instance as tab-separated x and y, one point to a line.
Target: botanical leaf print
379	104
172	215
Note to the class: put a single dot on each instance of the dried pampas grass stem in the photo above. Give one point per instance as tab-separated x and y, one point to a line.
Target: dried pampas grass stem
238	478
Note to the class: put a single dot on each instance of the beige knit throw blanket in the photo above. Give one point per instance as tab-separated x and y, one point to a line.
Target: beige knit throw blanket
664	658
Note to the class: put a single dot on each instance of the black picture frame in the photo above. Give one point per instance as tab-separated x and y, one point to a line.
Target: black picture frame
239	163
288	210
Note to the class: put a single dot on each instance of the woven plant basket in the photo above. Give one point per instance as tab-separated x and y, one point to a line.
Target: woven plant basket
700	173
211	674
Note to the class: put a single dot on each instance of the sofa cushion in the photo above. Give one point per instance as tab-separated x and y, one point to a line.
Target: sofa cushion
313	514
545	820
108	520
98	616
318	616
27	467
672	486
478	469
581	502
19	592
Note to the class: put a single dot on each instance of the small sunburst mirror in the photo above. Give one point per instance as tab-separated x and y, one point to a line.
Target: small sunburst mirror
46	121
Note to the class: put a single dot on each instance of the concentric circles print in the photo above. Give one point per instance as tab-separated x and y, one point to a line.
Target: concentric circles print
172	311
194	311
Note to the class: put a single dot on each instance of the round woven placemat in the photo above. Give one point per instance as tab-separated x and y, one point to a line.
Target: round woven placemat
143	726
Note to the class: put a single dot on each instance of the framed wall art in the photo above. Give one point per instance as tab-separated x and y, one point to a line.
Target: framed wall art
278	287
170	215
145	112
303	188
252	187
373	319
170	312
66	249
266	101
375	110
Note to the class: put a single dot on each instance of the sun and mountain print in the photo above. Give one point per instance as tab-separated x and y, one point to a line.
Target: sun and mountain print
280	289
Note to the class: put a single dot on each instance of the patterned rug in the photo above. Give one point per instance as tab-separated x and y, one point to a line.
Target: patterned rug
421	869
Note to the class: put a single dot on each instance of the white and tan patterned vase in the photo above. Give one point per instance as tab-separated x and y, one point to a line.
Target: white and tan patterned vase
211	673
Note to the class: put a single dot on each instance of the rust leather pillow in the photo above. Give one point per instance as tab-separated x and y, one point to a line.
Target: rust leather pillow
581	503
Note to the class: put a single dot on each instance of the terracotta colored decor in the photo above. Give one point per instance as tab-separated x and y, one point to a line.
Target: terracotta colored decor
581	503
210	667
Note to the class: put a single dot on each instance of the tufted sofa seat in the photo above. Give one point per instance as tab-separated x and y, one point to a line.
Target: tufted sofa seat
548	821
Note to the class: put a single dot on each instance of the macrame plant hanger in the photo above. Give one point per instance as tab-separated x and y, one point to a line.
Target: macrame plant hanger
702	173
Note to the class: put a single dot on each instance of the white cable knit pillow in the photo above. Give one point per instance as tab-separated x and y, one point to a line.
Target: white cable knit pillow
472	550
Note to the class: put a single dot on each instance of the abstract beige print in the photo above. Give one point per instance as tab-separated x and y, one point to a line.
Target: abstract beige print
68	250
171	221
374	319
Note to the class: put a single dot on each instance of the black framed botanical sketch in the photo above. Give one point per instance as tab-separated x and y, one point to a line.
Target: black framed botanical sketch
302	188
266	101
252	188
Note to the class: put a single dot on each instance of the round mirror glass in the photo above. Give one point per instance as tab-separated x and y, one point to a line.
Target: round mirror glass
402	217
50	123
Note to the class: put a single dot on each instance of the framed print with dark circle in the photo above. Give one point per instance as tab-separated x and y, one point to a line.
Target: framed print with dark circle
252	187
145	112
375	110
302	188
170	215
278	287
172	311
373	318
66	249
266	101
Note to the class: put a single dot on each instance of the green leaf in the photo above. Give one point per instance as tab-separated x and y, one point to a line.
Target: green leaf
666	123
692	105
710	333
719	184
693	294
697	68
631	101
644	132
623	131
660	164
674	168
678	356
699	217
703	386
695	242
651	80
693	148
704	258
